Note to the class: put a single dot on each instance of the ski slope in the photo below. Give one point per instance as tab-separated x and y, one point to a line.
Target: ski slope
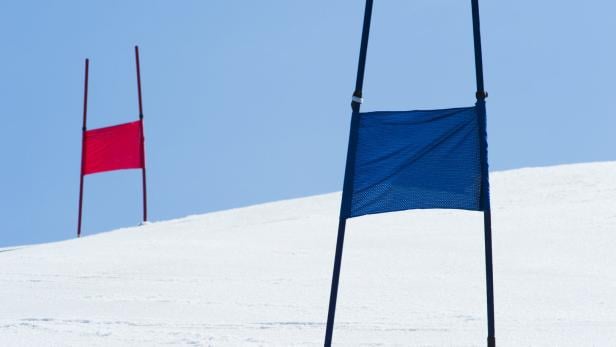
260	276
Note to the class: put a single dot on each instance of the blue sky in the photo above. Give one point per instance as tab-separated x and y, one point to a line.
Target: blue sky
248	102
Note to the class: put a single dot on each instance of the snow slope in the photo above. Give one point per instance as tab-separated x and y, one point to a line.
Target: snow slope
260	275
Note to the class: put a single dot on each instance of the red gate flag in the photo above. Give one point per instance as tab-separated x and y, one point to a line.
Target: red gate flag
117	147
111	148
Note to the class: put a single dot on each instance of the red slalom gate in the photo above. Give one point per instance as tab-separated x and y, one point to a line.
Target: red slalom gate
117	147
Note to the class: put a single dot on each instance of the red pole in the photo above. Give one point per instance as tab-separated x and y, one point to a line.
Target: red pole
83	141
145	200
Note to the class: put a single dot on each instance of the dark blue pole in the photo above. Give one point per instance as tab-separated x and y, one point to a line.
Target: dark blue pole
348	174
83	143
485	186
481	95
333	295
361	66
143	181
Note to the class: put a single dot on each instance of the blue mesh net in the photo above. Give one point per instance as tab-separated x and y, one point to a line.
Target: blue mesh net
413	160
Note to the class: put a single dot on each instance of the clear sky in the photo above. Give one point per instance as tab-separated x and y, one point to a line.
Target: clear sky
249	101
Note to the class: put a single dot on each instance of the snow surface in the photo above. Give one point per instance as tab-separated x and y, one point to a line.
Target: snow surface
261	275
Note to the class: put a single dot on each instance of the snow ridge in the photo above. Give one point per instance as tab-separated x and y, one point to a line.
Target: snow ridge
260	275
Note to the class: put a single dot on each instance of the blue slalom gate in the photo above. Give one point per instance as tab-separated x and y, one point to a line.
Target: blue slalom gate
400	160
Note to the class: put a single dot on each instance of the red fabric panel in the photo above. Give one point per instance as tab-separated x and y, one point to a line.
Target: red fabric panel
113	148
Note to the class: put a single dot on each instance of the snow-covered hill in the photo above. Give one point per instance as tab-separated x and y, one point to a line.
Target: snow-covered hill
261	275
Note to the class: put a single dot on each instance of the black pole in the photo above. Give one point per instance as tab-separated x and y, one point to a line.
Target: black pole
335	279
481	95
348	184
83	142
143	180
485	195
363	50
487	222
345	212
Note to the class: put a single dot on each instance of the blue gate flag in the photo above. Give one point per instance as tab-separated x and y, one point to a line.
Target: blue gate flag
415	160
